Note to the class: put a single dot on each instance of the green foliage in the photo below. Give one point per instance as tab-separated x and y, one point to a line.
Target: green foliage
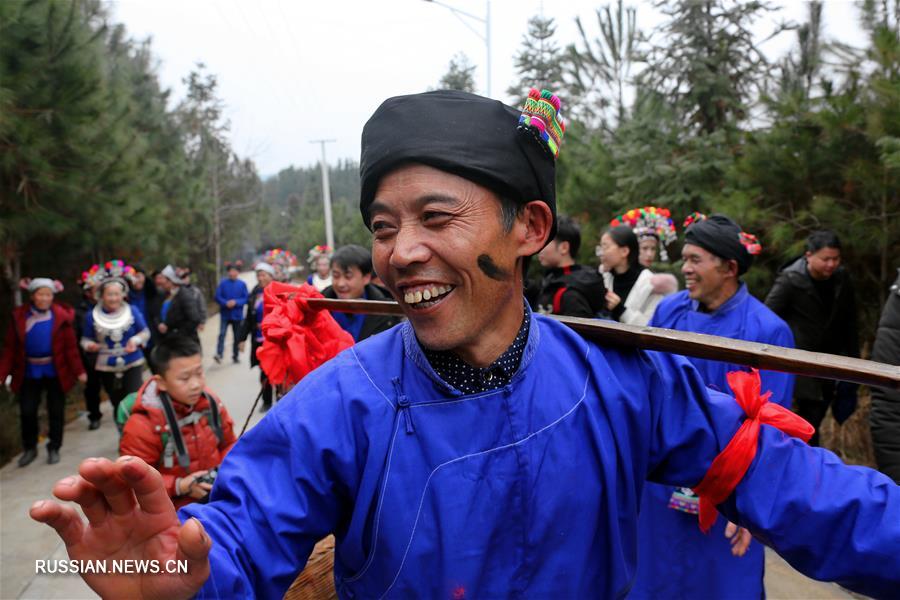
94	163
593	66
538	62
293	215
460	75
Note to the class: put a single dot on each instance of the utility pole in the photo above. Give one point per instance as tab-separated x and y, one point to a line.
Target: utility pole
326	194
217	221
485	37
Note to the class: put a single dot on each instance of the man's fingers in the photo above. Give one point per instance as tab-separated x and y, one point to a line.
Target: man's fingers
147	484
730	530
75	489
105	476
193	546
64	519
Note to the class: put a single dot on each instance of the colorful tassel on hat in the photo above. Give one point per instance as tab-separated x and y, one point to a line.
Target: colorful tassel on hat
542	119
751	243
694	217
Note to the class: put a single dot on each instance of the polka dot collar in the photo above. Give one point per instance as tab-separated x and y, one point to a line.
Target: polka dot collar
473	380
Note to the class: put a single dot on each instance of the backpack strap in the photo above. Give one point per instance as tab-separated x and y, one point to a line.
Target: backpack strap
175	444
214	418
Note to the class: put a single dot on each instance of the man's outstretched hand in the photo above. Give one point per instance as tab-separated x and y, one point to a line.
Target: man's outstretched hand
130	517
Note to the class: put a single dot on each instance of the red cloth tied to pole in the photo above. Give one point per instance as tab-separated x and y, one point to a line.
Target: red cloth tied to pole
730	466
297	338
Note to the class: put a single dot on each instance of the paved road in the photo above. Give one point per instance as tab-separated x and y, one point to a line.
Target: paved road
23	541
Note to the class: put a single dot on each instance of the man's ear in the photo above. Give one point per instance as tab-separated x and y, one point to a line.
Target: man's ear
160	383
367	279
564	248
733	268
537	220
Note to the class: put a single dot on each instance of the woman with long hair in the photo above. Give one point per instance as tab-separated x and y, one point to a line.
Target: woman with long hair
630	296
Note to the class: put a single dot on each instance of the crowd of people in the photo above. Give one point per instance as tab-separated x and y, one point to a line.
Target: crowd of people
479	447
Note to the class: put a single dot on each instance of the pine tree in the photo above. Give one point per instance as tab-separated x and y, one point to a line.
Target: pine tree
707	61
538	62
603	64
460	75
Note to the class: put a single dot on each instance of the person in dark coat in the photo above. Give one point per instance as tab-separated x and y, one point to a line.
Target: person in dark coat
265	274
814	295
142	297
89	359
181	311
41	354
567	287
154	313
351	276
885	415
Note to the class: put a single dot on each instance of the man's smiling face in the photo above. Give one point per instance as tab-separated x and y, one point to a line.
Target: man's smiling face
440	246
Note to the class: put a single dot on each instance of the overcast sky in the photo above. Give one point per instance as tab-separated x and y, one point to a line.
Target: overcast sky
292	71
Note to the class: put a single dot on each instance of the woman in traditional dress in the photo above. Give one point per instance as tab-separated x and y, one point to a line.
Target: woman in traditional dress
116	332
41	356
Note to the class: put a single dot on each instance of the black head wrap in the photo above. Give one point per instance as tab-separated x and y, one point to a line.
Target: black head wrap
474	137
721	236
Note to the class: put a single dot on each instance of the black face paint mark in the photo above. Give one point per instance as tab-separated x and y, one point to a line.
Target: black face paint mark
490	268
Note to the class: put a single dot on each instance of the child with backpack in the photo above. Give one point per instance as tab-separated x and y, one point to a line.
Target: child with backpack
176	423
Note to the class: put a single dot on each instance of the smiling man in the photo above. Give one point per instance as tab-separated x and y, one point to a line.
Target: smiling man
351	276
675	558
476	450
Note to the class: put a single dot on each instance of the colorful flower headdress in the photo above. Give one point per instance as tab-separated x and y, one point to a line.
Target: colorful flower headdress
542	119
111	270
316	251
650	221
281	257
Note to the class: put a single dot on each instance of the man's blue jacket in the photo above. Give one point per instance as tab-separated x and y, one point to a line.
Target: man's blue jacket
531	490
232	289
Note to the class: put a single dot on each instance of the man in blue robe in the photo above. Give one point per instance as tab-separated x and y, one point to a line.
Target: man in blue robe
676	559
477	449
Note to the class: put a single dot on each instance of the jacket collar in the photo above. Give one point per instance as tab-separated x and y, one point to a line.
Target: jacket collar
414	352
739	297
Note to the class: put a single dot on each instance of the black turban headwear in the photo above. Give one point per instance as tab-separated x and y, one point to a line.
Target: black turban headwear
467	135
721	236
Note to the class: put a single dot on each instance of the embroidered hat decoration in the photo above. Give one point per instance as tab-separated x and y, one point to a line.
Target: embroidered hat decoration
541	118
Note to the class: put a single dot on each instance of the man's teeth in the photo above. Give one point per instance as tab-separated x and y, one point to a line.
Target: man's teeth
426	294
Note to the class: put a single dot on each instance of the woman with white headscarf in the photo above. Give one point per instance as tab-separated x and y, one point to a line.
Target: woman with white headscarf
40	356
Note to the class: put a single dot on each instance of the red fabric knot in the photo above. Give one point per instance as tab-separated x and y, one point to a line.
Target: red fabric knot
297	338
730	466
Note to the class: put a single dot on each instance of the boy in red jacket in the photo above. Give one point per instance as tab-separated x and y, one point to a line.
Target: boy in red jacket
176	423
41	356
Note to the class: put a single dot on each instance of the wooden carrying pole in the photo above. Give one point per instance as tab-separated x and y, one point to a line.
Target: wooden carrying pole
698	345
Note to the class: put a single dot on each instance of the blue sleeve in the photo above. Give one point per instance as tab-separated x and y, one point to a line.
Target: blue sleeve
690	423
265	527
220	294
831	521
243	294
